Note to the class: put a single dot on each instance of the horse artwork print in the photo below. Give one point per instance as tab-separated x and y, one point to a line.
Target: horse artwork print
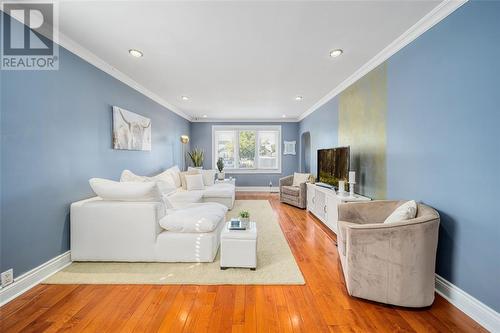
130	130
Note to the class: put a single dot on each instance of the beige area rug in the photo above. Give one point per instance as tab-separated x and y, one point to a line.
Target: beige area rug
275	262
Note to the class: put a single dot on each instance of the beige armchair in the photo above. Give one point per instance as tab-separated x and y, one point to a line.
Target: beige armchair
392	263
293	195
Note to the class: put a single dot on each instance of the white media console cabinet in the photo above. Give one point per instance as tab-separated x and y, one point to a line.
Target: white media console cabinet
322	202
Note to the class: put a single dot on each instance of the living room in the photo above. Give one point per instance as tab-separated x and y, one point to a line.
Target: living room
249	166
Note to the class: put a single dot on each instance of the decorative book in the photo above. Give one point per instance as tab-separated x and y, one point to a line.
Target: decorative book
237	224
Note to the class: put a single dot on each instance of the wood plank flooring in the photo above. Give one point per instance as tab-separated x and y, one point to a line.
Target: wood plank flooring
322	305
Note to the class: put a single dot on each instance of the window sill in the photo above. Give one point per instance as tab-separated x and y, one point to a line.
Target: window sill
252	171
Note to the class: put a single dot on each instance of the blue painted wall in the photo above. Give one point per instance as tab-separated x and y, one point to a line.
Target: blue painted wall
443	143
201	136
55	135
323	127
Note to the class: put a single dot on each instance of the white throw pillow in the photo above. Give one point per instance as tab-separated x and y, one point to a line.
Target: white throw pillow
125	191
182	176
166	176
300	178
406	211
174	172
208	177
194	170
129	176
194	182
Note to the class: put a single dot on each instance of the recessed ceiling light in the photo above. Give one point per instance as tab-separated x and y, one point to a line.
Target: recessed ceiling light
299	98
135	53
185	98
335	53
283	116
204	116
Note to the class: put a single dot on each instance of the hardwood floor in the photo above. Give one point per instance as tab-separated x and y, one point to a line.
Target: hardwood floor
322	305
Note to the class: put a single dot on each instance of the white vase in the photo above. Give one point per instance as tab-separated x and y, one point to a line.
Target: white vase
245	221
221	175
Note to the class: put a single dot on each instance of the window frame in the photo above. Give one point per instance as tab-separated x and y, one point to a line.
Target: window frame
237	129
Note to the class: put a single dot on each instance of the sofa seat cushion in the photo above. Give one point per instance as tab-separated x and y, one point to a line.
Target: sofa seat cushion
291	190
292	199
181	198
219	191
198	217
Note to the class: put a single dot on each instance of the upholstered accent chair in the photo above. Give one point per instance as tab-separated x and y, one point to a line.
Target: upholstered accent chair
391	263
294	195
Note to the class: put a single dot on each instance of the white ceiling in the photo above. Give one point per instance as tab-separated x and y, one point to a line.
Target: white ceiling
239	59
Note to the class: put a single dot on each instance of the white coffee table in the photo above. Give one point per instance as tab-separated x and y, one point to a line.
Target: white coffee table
238	248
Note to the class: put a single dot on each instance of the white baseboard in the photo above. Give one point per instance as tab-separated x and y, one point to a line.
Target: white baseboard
480	312
33	277
257	189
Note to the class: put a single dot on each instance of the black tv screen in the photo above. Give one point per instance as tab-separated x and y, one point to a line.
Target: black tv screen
333	165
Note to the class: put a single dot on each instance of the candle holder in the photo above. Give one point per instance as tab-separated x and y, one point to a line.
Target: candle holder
351	189
352	181
341	187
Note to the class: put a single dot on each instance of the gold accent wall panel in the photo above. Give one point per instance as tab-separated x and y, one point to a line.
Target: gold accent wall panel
362	126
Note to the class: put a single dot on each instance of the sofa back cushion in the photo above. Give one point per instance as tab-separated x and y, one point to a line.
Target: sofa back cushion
175	173
208	177
129	176
194	182
125	191
168	177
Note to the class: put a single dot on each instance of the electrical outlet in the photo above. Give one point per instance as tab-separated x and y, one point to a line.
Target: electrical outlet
7	277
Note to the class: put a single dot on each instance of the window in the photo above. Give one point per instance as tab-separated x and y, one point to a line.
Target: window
247	149
224	147
268	158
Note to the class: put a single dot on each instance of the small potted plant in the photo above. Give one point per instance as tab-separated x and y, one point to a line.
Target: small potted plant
197	156
220	167
245	217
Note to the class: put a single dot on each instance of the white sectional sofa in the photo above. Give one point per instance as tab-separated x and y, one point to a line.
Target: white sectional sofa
183	227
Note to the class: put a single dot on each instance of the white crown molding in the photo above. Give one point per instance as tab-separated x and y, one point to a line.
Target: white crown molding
93	59
85	54
257	189
480	312
440	12
236	120
33	277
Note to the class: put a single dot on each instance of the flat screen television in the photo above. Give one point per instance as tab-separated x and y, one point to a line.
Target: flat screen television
333	165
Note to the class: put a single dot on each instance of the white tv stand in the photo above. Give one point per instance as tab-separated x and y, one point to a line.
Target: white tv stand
322	202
